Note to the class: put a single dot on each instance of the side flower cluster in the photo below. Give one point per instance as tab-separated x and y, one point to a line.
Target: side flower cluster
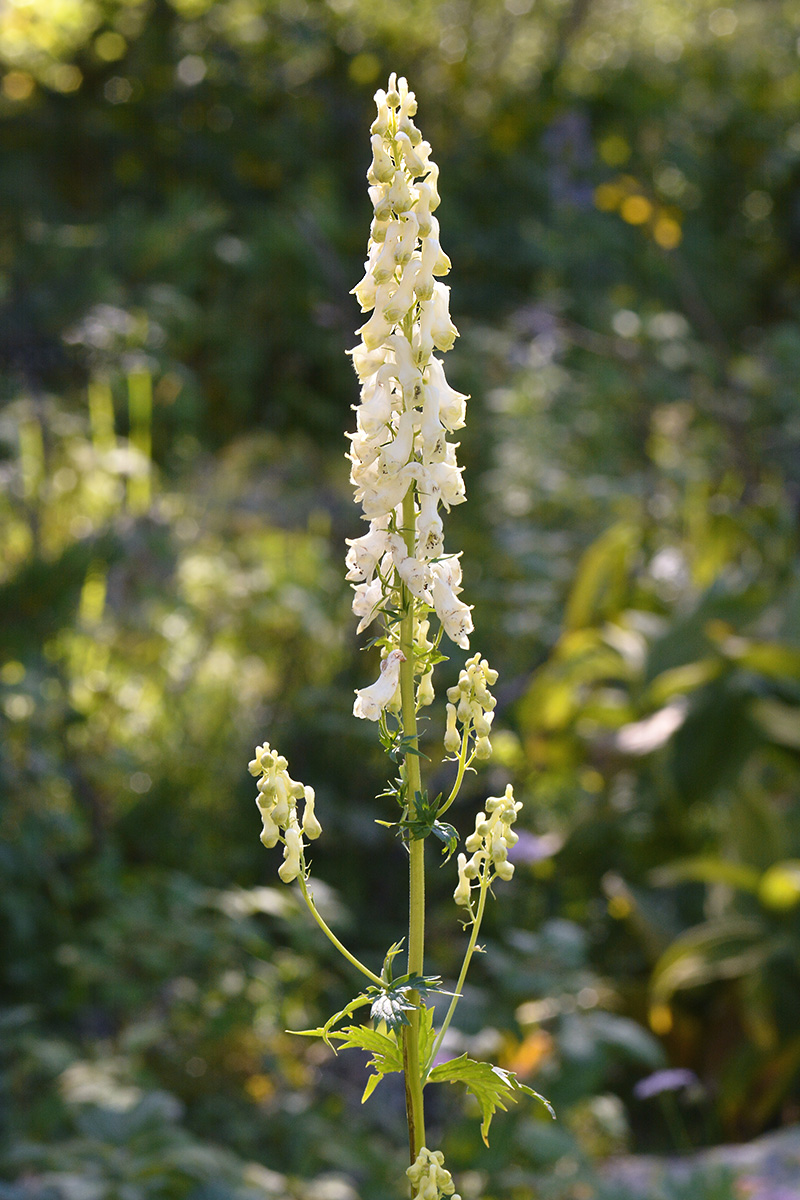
277	799
407	408
471	705
429	1178
489	846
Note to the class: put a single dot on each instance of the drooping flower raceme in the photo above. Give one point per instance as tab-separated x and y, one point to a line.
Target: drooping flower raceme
277	799
489	845
407	407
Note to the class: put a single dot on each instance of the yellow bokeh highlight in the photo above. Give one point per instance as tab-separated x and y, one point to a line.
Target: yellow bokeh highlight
12	673
17	85
780	885
619	907
667	232
636	210
607	196
110	46
661	1019
591	780
526	1058
614	150
93	596
259	1087
64	77
364	68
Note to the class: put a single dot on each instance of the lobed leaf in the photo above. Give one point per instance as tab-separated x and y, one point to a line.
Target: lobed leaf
491	1086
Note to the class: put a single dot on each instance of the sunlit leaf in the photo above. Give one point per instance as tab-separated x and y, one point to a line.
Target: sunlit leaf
492	1087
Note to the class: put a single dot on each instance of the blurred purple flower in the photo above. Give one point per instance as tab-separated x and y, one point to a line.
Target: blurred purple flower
757	1187
670	1080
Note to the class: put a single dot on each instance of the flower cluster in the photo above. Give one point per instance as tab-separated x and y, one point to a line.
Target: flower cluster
471	704
488	845
407	408
429	1178
277	800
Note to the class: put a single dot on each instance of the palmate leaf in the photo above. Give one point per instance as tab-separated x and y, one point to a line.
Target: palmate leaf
391	1007
491	1086
387	1056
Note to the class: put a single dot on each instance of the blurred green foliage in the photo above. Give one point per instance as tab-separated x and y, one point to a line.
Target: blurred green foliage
182	214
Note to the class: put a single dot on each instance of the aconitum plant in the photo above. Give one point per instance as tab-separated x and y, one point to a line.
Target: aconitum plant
408	586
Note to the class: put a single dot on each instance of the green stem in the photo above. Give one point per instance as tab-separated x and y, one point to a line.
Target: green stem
331	936
416	853
476	925
462	766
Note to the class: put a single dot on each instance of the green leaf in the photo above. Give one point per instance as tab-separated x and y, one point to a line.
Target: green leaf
722	948
384	1048
707	870
387	1056
391	1007
393	1002
372	1083
491	1086
601	577
447	834
392	952
324	1031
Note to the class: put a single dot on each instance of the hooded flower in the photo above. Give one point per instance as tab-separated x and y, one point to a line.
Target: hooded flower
371	701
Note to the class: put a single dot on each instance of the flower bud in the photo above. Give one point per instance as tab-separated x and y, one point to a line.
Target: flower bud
483	749
462	893
382	168
290	868
311	826
381	123
452	739
270	831
425	692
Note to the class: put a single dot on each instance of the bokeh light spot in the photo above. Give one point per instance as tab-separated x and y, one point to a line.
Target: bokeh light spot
364	68
667	232
17	85
110	46
636	210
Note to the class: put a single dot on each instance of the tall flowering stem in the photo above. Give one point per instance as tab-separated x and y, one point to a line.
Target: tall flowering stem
407	592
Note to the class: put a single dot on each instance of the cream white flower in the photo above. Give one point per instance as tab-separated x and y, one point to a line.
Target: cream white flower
311	826
366	552
371	701
493	836
277	799
291	866
455	616
429	1178
367	602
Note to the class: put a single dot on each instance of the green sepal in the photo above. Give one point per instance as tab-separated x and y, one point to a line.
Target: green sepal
491	1086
